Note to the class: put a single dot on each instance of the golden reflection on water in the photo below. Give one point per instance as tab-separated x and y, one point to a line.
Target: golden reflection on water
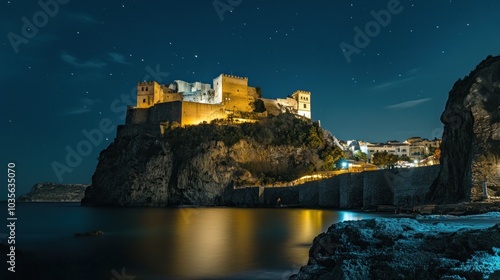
201	242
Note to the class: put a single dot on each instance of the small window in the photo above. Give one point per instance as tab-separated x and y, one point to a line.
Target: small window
146	88
142	89
305	106
144	100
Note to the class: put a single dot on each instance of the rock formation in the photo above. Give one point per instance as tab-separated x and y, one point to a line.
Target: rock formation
470	151
196	165
390	248
52	192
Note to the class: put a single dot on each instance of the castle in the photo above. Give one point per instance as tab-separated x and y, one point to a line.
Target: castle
231	98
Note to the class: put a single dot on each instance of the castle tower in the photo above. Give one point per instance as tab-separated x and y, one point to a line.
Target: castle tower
303	99
232	92
148	94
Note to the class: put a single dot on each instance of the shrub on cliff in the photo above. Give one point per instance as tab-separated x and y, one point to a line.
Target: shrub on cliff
281	130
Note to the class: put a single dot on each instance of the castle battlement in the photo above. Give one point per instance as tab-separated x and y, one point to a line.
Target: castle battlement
302	91
235	77
146	83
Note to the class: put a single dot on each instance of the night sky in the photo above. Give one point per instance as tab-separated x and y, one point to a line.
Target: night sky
81	65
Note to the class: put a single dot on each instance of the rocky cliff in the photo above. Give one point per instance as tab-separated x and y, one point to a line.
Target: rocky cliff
470	151
197	165
51	192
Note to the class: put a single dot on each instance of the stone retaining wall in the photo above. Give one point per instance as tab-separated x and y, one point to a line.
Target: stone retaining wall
366	190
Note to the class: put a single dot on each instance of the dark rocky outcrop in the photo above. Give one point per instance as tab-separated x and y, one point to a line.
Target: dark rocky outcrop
90	233
198	165
403	249
52	192
470	151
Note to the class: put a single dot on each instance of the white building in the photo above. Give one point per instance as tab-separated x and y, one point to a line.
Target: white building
421	147
400	149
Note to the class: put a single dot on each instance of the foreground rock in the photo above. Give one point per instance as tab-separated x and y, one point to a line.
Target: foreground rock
52	192
470	152
403	249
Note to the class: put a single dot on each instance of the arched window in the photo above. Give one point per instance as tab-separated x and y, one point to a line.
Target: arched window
146	88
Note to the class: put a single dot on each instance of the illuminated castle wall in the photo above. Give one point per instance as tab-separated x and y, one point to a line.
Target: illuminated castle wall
195	103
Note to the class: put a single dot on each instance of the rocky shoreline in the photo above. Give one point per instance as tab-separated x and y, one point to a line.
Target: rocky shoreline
388	248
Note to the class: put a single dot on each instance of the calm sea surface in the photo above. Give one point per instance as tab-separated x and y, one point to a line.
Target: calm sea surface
164	243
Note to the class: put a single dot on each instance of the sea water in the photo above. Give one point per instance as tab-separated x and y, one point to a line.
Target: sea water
164	243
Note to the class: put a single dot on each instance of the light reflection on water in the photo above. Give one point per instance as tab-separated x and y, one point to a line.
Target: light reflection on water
162	243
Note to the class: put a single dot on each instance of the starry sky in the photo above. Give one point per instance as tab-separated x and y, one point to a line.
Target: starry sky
72	68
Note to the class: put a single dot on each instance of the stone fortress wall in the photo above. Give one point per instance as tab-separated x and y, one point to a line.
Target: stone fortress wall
195	103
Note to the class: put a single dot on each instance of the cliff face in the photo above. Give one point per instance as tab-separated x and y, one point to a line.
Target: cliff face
51	192
132	172
470	151
196	165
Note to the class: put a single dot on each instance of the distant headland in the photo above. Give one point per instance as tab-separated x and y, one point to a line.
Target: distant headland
52	192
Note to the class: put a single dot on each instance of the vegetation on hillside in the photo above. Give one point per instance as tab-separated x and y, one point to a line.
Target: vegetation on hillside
360	156
283	130
384	159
